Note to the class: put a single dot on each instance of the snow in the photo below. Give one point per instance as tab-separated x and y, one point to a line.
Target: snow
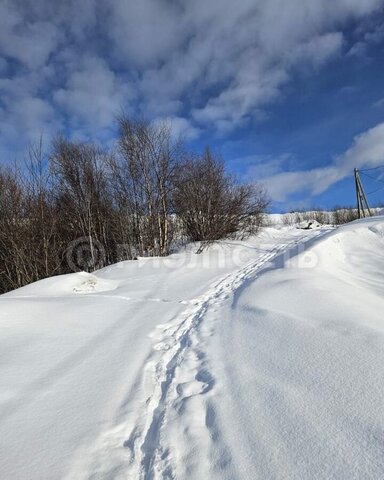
257	359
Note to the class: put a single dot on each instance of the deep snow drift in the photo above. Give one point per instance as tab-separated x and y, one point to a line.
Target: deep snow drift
259	359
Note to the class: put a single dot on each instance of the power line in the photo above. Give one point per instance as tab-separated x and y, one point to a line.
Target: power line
373	178
372	168
377	190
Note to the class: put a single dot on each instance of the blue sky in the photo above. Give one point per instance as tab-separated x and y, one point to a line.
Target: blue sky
290	93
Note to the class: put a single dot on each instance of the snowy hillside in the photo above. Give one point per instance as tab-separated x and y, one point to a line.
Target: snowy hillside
257	359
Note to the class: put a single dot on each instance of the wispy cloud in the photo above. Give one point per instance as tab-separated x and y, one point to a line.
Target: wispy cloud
367	150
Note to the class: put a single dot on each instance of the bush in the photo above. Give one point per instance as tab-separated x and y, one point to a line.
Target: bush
211	205
341	215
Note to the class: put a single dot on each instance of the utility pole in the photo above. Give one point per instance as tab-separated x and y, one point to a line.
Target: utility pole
361	198
357	193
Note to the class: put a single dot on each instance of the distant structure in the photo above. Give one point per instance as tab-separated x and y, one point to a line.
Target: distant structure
361	198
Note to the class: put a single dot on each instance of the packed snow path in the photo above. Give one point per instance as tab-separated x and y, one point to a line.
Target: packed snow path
269	366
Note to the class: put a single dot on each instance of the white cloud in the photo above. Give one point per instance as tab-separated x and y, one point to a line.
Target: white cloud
24	115
379	103
31	43
144	32
367	150
181	127
318	50
369	33
30	115
206	63
93	95
358	49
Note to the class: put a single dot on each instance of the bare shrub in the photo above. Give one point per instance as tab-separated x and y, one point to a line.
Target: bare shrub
211	205
341	215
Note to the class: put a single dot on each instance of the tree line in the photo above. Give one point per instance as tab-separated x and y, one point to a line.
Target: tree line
81	207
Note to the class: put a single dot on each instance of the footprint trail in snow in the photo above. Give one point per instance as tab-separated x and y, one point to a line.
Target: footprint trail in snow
172	419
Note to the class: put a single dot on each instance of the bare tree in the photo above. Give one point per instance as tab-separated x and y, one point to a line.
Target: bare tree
119	205
29	242
13	264
82	195
41	213
211	205
144	182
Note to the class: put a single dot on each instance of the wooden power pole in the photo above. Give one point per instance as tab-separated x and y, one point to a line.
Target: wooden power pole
361	198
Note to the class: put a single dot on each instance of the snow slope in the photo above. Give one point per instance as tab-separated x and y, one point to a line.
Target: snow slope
259	359
307	390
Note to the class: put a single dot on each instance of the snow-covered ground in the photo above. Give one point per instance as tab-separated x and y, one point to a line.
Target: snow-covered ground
257	359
